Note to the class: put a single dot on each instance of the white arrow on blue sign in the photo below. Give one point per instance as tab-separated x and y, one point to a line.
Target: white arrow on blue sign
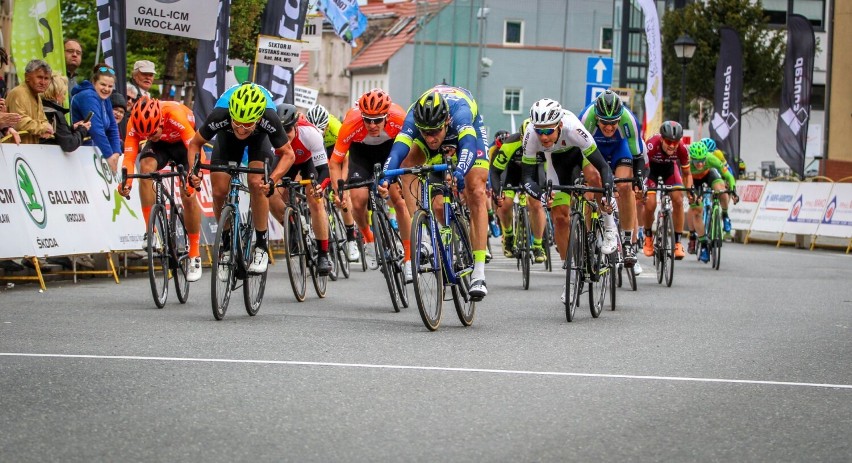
599	70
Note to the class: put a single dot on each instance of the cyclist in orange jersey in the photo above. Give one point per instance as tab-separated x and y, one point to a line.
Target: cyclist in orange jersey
166	127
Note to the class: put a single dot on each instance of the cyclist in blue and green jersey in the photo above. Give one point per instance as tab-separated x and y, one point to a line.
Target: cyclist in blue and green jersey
330	125
720	156
445	112
506	169
617	136
707	170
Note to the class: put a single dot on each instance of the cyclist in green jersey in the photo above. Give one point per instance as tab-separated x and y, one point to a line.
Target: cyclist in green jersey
329	125
707	170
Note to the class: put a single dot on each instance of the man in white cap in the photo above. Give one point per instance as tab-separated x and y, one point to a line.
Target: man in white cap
143	76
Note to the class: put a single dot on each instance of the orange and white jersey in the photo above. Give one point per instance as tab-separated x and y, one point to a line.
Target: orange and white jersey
178	124
353	130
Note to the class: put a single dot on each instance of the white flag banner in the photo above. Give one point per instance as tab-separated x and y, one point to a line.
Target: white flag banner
654	83
278	52
195	19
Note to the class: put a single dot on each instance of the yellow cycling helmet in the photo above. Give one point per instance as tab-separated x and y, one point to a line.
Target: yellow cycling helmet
247	103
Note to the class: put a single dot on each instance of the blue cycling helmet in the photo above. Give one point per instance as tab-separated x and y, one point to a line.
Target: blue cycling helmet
709	143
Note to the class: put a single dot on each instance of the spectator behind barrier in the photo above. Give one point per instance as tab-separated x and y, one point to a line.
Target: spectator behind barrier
68	138
73	58
25	99
143	77
7	120
93	96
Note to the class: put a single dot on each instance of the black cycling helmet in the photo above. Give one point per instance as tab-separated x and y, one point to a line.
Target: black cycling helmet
671	130
500	135
431	111
287	113
608	106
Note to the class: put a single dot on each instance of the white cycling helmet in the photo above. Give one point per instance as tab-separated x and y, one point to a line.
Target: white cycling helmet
545	112
318	116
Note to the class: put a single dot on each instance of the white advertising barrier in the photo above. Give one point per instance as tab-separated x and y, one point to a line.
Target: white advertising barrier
808	208
837	218
774	207
61	216
742	213
13	218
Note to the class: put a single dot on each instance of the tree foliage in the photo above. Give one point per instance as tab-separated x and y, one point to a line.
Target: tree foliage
763	53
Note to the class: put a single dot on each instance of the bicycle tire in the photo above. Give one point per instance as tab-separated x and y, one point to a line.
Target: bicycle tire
427	271
158	255
462	259
597	270
574	262
361	249
659	248
399	269
180	254
342	242
668	263
220	291
295	253
547	242
320	282
525	252
334	273
383	243
254	284
612	264
715	241
631	278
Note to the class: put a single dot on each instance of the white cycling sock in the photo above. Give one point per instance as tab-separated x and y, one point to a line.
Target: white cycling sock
609	221
478	271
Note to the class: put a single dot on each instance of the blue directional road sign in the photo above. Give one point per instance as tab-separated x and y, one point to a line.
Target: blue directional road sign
598	76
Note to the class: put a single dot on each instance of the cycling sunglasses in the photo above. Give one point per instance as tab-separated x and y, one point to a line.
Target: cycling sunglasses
373	120
606	122
106	69
246	127
544	131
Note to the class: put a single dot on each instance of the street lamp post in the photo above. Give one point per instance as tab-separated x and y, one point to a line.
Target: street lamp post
684	49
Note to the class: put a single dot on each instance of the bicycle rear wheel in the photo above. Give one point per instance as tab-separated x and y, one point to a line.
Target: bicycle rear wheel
574	262
158	255
599	273
426	270
462	260
180	255
295	253
223	273
254	284
669	240
547	242
361	248
383	243
715	241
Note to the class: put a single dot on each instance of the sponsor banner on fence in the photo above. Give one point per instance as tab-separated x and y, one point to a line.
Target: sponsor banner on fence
774	207
123	224
195	19
808	208
837	217
742	213
13	218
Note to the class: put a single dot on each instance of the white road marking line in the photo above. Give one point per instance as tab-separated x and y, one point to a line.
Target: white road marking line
444	369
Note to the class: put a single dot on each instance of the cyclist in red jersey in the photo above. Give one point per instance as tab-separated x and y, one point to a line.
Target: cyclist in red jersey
166	127
368	133
669	159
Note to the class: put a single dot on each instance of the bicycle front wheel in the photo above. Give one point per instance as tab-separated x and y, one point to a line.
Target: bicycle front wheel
158	255
574	267
180	255
295	253
669	258
599	273
463	263
426	270
525	254
383	256
254	284
223	272
715	241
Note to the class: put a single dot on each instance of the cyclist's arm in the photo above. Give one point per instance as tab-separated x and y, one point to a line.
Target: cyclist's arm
288	157
529	171
596	159
399	150
131	151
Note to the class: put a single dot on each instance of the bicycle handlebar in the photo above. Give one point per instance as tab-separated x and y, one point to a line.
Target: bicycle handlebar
156	176
416	170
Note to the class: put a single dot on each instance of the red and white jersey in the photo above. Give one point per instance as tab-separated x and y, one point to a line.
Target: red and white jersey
308	143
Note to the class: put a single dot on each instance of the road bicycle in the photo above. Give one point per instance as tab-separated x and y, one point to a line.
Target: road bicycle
664	235
167	240
712	214
390	255
233	245
547	240
523	240
337	241
585	264
443	256
301	251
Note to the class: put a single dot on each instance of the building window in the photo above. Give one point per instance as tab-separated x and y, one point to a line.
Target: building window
777	11
606	38
512	101
513	33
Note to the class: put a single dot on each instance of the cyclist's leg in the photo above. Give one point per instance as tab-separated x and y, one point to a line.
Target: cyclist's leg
650	210
410	183
563	170
226	148
148	162
477	203
278	200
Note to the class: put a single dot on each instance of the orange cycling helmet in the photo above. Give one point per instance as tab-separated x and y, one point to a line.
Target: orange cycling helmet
145	116
376	102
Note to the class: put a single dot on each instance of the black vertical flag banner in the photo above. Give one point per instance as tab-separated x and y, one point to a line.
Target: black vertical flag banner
795	108
285	19
211	62
728	97
112	29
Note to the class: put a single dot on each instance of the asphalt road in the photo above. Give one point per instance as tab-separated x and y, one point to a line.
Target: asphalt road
748	363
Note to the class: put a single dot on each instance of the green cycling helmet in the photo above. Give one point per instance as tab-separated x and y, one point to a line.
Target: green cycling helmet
698	152
247	103
608	106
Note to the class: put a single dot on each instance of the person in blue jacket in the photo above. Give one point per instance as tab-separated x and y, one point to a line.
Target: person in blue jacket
94	96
